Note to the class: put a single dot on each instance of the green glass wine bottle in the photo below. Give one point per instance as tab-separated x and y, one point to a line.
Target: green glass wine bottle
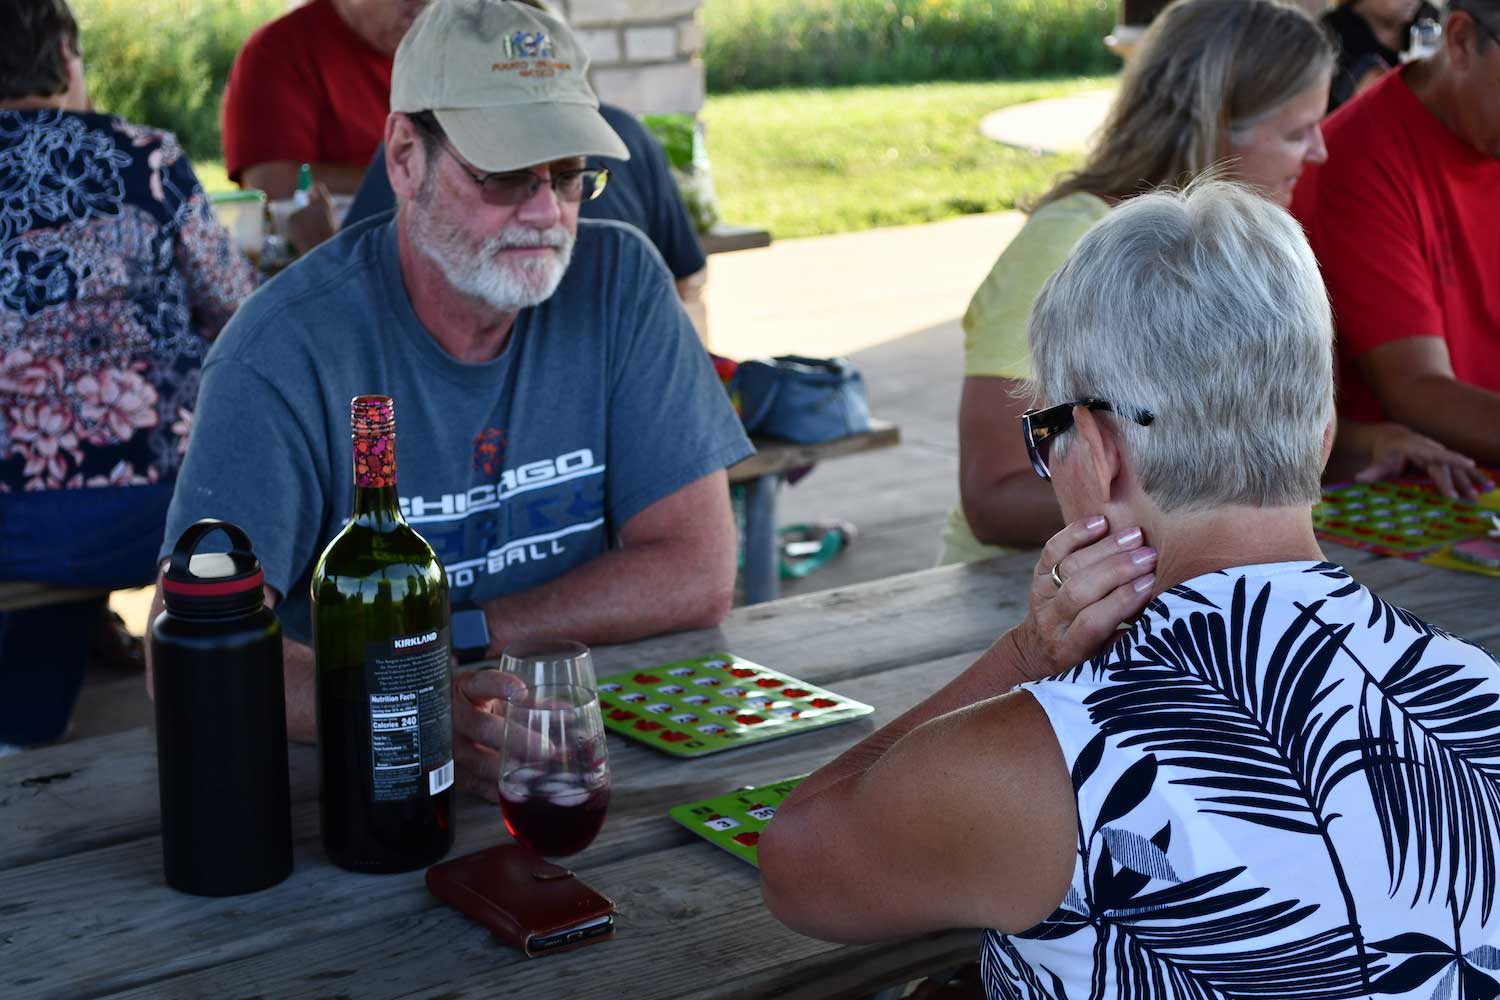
380	635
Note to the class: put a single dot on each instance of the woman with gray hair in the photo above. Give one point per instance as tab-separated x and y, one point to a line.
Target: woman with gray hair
1267	782
1235	87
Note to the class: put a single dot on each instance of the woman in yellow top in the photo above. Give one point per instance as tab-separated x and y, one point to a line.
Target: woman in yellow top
1236	86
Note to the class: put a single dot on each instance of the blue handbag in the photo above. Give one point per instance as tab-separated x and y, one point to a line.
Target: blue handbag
804	400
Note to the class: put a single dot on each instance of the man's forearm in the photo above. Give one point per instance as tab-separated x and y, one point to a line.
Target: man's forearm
1455	413
626	594
997	672
297	665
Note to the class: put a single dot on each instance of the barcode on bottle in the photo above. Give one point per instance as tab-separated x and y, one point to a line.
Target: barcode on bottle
440	779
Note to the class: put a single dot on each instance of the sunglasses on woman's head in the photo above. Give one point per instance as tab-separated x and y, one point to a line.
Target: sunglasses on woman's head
1039	427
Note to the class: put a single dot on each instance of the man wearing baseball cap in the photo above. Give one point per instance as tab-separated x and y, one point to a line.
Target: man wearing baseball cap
562	434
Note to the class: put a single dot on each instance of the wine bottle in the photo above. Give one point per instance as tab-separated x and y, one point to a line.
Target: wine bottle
380	635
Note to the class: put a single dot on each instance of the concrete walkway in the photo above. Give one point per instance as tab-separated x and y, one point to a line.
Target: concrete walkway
1059	125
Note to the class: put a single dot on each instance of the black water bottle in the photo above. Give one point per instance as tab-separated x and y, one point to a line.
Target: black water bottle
220	721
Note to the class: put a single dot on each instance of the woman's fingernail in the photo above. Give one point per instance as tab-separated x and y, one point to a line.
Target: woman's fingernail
1145	582
1094	523
1128	537
1143	556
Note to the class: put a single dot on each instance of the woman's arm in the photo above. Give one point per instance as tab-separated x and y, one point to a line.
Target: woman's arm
960	812
1003	500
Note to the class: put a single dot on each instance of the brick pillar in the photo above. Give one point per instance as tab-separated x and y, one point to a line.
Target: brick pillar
644	54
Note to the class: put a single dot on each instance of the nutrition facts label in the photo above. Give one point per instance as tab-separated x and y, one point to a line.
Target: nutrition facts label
411	743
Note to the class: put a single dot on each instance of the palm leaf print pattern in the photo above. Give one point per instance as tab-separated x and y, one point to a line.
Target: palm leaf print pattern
1259	765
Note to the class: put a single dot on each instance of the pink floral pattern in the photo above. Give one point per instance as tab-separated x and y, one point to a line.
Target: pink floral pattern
114	278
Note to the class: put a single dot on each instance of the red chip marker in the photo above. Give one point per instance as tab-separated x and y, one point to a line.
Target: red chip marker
621	715
742	672
795	692
647	726
749	838
768	682
749	720
823	703
673	736
646	679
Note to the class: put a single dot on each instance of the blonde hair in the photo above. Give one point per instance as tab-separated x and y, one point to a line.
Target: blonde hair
1206	72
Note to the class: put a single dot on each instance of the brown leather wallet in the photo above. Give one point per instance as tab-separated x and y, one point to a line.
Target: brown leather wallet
526	901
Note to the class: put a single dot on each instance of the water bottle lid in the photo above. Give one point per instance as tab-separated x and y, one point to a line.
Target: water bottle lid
213	583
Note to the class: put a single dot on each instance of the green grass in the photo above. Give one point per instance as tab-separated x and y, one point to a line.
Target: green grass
810	162
813	162
212	176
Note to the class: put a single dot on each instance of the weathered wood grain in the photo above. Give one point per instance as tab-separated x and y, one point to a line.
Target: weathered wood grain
83	911
772	456
101	920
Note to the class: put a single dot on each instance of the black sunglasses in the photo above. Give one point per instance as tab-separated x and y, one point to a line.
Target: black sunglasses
1039	427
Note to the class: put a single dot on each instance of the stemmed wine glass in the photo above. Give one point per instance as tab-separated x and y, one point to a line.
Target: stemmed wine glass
554	764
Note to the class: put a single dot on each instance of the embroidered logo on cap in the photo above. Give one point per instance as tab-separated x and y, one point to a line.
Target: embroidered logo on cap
529	45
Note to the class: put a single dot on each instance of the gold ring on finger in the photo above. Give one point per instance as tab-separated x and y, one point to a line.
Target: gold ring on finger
1057	578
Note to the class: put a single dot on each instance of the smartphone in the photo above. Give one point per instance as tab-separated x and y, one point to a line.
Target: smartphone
597	927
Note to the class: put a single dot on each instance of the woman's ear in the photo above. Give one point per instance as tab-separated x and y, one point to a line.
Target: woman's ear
76	97
1100	461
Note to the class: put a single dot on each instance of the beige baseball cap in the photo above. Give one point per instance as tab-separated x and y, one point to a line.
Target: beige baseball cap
507	82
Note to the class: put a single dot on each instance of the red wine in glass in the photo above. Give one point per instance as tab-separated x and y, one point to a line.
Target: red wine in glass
554	813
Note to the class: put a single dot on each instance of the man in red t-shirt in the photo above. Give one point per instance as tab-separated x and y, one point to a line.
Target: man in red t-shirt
1405	220
313	86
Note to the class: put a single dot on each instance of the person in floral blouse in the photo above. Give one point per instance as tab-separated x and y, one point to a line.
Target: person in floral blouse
114	278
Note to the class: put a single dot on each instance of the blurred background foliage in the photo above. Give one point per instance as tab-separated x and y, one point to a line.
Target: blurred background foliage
164	62
753	44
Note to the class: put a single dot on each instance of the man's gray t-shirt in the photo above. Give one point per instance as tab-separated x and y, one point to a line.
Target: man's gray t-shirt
515	470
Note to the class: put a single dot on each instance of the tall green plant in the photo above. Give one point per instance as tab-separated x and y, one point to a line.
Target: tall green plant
753	44
165	62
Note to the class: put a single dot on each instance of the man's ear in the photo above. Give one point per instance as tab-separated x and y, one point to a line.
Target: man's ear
1458	38
1099	453
1328	433
405	156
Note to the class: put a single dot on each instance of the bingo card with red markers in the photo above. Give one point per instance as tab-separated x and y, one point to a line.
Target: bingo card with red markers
734	821
715	702
1406	518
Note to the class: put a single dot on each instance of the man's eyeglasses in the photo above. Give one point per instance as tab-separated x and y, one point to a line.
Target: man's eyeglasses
1039	427
514	187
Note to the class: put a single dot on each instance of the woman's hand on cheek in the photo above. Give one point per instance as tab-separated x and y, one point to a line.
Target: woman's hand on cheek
1106	578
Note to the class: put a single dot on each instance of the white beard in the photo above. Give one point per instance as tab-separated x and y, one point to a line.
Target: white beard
478	273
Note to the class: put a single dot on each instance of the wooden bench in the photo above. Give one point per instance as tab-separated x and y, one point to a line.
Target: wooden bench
17	595
761	475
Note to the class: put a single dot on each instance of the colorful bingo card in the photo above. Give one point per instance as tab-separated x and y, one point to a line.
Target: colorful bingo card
1399	518
734	821
696	707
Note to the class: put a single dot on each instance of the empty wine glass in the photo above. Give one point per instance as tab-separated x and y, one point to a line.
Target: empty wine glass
554	768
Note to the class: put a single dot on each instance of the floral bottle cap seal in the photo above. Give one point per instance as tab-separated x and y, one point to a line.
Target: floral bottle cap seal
372	421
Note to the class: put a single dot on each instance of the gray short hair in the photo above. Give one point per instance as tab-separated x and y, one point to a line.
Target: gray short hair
1205	307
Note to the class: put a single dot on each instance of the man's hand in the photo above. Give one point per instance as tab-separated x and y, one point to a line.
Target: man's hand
312	223
1107	578
479	728
1395	447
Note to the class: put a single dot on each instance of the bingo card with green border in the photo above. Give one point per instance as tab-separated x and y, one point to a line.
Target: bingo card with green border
734	821
694	707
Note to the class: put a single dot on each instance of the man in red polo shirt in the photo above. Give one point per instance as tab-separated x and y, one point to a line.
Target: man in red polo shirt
313	86
1405	220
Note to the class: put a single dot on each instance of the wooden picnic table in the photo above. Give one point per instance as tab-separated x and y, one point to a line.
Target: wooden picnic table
761	475
84	911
